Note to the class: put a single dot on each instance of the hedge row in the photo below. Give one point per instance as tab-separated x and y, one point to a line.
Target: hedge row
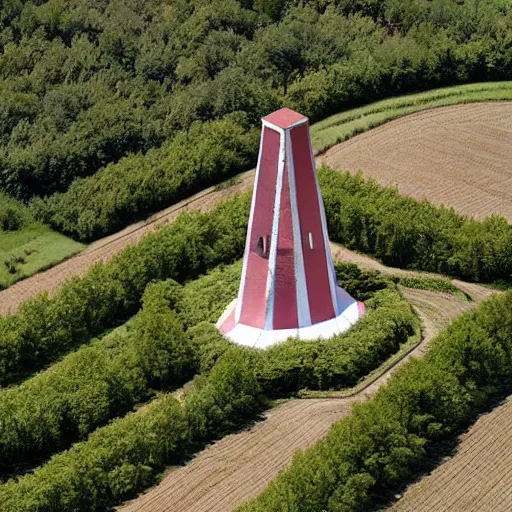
47	327
125	457
293	365
107	378
365	456
405	233
139	185
89	387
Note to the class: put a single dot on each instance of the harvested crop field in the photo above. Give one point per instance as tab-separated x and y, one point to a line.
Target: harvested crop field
240	466
477	479
458	156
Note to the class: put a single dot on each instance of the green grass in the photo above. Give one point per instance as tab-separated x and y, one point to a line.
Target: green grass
30	250
341	127
432	284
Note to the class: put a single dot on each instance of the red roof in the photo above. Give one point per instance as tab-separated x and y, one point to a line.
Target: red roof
284	118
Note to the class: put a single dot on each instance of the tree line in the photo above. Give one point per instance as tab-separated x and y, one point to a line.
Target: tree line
83	86
168	342
124	457
406	233
361	214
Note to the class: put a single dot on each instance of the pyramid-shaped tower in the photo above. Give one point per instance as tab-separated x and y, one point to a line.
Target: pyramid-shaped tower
288	285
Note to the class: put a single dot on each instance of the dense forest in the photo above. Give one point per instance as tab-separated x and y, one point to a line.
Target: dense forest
83	84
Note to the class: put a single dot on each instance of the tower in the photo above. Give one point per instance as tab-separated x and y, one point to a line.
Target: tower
288	285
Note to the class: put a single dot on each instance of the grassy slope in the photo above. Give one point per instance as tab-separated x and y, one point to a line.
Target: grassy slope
38	245
345	125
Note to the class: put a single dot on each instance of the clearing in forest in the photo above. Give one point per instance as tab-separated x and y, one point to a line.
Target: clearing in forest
458	156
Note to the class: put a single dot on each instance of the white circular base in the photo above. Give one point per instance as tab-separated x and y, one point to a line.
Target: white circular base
260	338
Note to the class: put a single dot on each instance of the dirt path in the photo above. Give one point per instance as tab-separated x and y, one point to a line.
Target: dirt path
477	479
240	466
106	248
458	156
462	152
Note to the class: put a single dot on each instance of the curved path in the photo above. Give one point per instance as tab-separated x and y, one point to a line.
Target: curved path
457	156
240	466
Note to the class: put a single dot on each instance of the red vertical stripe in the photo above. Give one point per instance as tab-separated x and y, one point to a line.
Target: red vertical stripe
315	264
253	310
285	296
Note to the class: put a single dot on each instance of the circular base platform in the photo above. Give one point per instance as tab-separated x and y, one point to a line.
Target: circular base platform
260	338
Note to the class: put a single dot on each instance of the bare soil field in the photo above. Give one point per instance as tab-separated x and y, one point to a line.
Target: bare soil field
240	466
458	156
477	479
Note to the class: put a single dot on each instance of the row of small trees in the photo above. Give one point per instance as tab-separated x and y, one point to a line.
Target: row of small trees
124	457
47	327
405	233
105	379
367	455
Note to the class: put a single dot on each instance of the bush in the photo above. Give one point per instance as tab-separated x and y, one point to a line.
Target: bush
369	453
94	384
124	457
13	214
139	185
290	366
405	233
46	327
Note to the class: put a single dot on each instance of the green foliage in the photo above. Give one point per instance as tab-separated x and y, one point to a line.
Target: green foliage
117	87
227	398
380	445
139	185
405	233
94	384
44	328
13	214
124	457
290	366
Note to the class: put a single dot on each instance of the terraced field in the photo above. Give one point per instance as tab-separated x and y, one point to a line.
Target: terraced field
458	156
477	479
240	466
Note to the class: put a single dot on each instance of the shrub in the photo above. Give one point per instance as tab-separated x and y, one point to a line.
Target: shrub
367	454
94	384
125	456
46	327
405	233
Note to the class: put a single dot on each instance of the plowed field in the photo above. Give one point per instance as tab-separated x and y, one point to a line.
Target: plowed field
457	156
477	479
240	466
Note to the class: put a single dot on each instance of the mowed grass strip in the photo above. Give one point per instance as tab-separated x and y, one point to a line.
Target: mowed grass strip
30	250
343	126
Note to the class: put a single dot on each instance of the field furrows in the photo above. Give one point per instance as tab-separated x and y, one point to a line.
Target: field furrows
239	467
474	118
457	156
477	479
